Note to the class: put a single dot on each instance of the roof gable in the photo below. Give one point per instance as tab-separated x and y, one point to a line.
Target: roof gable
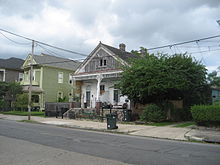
53	61
122	57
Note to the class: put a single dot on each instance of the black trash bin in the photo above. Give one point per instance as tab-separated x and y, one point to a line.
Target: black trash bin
111	121
127	115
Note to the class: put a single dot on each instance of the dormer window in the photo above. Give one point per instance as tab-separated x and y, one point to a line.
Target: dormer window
101	62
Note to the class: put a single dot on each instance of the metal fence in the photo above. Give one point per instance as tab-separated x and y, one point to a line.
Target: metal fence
56	109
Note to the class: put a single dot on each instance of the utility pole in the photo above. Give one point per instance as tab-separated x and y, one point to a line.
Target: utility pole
30	85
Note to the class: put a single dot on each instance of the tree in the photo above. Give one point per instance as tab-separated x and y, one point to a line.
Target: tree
213	79
22	101
157	78
8	92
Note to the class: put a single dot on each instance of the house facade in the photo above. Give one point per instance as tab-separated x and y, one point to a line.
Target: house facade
10	70
96	77
215	94
52	79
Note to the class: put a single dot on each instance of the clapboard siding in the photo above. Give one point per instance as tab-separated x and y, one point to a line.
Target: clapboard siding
94	64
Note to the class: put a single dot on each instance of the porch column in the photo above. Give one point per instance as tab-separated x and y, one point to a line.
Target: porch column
98	102
99	79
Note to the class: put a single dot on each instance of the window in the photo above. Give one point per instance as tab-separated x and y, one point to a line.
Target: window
26	75
105	62
35	98
20	77
102	89
2	75
60	77
116	95
70	79
60	96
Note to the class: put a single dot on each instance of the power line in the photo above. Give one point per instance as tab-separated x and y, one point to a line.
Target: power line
13	40
52	53
55	47
185	42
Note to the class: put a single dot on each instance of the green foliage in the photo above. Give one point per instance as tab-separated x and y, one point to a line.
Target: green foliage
23	113
22	101
217	103
64	99
187	124
155	78
213	79
8	92
181	114
153	113
203	114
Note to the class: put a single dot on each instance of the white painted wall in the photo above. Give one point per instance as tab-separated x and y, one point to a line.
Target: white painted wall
106	97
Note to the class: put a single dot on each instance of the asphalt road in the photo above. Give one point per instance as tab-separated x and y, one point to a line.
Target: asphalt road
82	146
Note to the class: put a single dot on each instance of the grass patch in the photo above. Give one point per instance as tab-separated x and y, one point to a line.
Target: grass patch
28	121
161	124
182	125
23	113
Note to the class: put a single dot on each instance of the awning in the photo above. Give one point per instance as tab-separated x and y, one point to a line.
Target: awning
35	89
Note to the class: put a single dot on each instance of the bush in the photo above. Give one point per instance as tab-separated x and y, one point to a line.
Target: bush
153	113
206	114
22	101
181	114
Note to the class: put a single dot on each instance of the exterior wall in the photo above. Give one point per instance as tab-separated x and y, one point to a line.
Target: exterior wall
11	75
36	75
215	95
47	79
106	97
94	64
51	86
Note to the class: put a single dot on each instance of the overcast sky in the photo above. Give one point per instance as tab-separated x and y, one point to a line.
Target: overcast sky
79	25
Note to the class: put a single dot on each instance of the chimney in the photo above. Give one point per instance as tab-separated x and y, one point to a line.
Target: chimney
122	46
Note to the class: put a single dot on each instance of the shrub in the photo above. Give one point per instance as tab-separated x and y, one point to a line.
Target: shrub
153	113
181	114
22	101
206	114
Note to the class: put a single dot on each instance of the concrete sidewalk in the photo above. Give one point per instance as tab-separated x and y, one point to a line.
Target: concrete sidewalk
166	132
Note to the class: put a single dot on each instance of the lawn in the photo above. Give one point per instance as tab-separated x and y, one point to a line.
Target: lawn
161	123
23	113
186	124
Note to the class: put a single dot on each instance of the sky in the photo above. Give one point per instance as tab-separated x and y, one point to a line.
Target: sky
79	25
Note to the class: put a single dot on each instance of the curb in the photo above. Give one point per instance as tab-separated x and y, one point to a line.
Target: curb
194	138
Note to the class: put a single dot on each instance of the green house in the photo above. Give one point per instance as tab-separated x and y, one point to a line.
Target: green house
52	79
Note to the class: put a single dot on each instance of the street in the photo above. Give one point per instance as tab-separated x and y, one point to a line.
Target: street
26	143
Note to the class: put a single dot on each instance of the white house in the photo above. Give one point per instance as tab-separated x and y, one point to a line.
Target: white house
96	77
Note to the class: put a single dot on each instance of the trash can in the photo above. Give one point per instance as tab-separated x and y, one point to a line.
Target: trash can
111	121
127	115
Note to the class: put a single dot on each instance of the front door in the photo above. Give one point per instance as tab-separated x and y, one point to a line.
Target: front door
88	98
116	96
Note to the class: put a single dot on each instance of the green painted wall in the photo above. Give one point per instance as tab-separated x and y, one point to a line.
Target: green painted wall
51	86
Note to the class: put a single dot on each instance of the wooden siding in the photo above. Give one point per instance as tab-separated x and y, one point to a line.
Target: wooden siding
94	64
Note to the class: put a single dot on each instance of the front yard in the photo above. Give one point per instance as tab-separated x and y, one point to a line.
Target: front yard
23	113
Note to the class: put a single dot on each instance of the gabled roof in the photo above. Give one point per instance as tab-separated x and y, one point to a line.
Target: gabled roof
123	56
126	56
58	62
11	63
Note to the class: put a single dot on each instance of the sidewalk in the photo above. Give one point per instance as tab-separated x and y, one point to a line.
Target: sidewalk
166	132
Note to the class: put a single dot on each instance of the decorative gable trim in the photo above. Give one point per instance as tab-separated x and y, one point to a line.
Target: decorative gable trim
27	62
93	53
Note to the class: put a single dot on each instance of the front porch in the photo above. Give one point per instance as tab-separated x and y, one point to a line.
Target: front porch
93	89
